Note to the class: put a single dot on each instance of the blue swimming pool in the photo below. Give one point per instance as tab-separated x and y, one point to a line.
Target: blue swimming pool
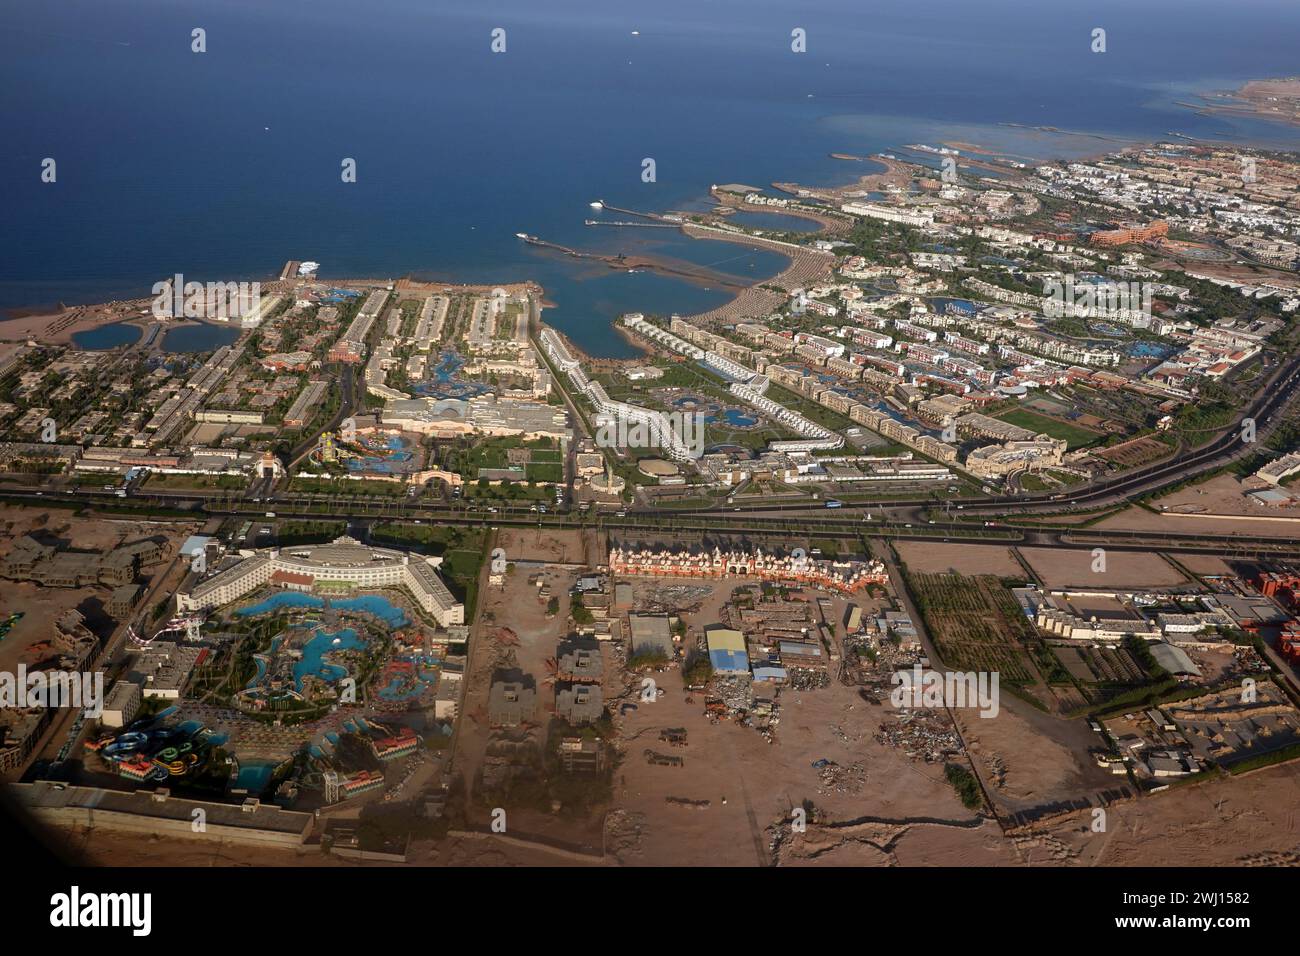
376	605
313	663
254	776
373	604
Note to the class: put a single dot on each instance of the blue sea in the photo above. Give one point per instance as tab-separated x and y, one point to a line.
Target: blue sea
222	165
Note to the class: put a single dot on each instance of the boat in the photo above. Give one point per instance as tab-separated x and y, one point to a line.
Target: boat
597	204
521	235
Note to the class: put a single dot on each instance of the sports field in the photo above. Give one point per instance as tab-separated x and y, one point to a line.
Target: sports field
1075	437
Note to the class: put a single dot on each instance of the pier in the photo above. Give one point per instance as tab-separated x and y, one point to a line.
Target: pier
683	270
640	225
652	216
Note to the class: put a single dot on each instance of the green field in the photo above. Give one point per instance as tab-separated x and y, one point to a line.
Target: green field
1075	437
545	471
158	480
348	486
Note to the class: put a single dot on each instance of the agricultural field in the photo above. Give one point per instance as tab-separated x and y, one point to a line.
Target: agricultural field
976	625
1132	453
1103	673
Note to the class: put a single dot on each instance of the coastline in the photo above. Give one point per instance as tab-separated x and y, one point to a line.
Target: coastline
1274	99
58	328
1249	100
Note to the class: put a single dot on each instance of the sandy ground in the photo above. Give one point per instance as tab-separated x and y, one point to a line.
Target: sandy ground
761	782
929	558
1064	568
97	533
1217	506
560	547
1243	821
517	607
902	812
57	328
1204	564
39	607
1029	760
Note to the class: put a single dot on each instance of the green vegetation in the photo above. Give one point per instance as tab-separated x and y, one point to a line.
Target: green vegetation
976	625
462	550
697	671
348	486
967	787
578	611
545	471
300	532
194	482
1255	761
648	657
1074	436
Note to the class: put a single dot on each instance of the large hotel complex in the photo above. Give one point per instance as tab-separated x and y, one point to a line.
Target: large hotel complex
343	561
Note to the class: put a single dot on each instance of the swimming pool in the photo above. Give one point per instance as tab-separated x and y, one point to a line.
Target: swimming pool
313	663
374	604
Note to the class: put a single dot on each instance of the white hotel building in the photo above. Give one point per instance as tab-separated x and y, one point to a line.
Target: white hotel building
342	561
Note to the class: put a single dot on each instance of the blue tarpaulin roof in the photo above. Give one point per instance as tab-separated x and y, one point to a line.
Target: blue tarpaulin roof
729	662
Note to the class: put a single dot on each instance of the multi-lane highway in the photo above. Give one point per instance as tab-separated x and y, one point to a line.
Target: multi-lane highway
361	512
902	518
1280	390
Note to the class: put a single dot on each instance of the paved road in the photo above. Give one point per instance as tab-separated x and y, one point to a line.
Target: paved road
347	407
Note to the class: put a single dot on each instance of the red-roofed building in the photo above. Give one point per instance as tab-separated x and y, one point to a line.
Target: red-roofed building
292	581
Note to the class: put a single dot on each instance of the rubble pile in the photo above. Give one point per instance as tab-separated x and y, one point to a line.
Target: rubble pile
662	760
923	735
838	778
674	598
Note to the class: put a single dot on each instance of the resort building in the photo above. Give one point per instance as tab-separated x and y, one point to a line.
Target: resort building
830	575
344	561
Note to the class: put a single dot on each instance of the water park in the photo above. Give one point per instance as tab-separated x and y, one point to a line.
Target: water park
308	645
375	453
155	749
335	296
406	680
445	380
342	761
309	652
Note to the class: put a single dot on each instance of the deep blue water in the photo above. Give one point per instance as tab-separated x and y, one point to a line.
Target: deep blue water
222	165
106	337
199	337
775	221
